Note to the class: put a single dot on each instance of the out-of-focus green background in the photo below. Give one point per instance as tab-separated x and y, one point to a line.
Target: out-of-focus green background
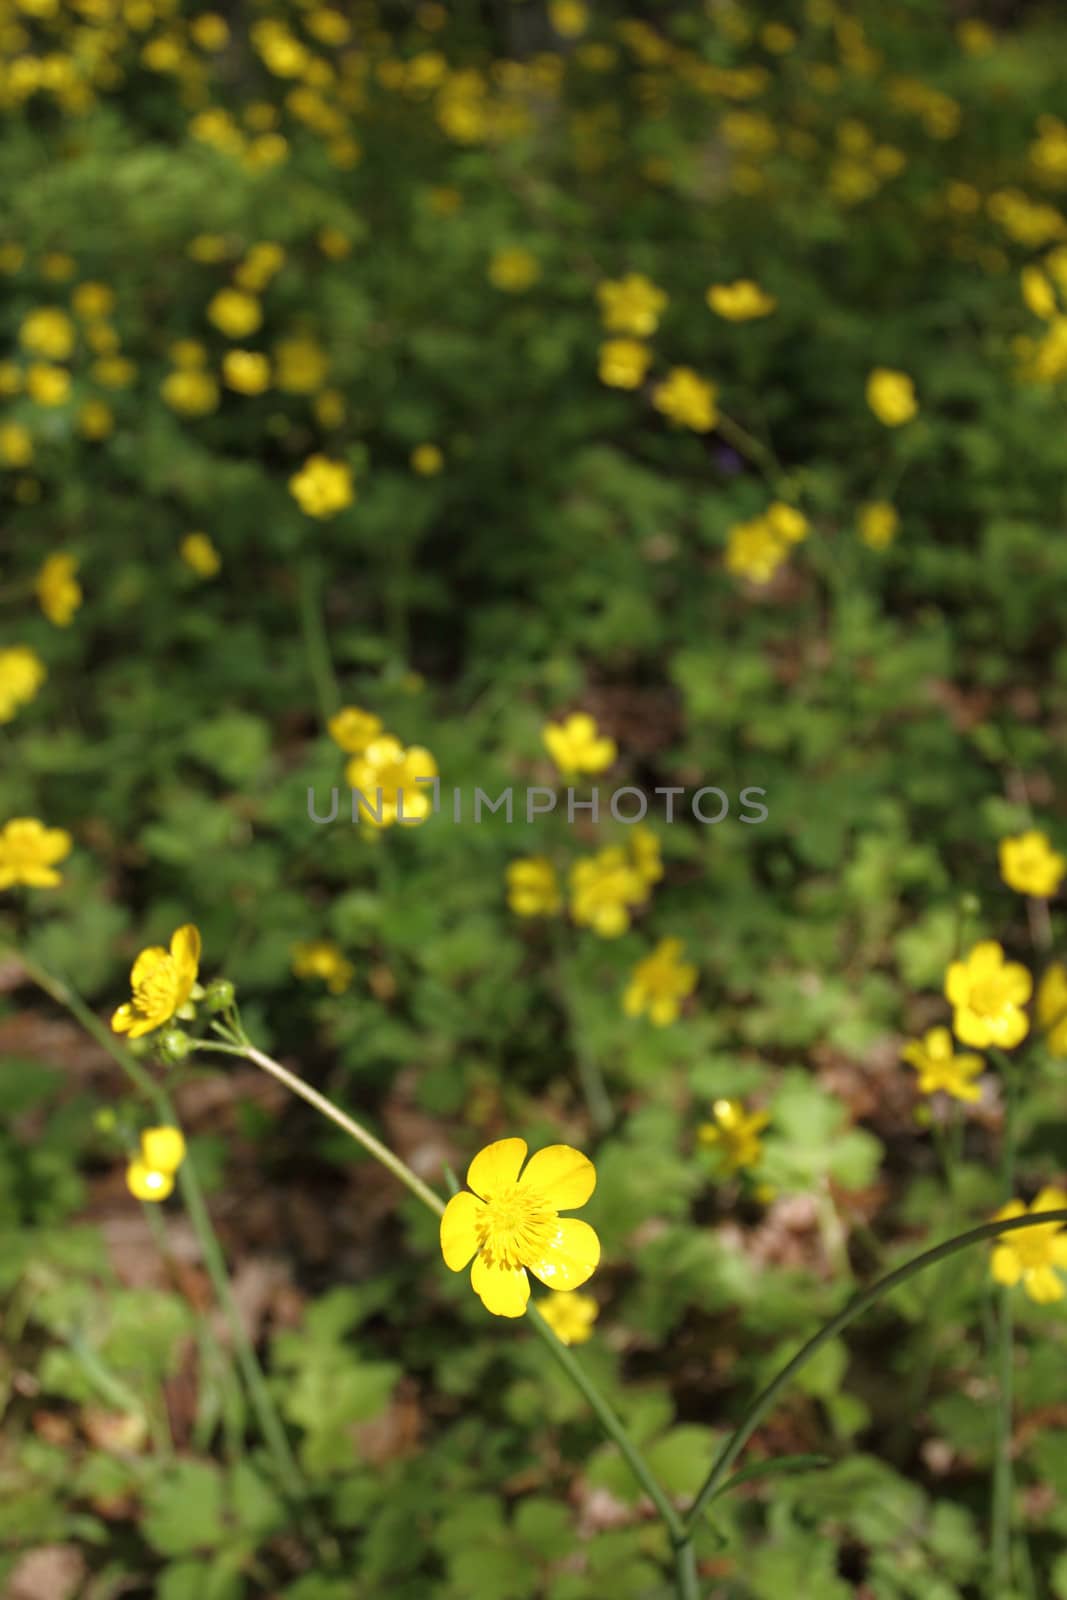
393	237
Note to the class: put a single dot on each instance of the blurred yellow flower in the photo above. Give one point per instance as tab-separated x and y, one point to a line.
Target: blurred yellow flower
940	1069
891	396
322	487
150	1176
533	889
47	332
234	313
1036	1256
246	371
511	1223
569	18
514	269
1052	1008
200	555
114	372
754	550
21	675
787	522
47	385
687	399
988	995
1029	864
354	729
659	984
210	31
263	262
190	391
570	1314
29	852
577	745
96	420
301	365
333	243
740	301
427	460
624	363
58	590
734	1134
878	522
1038	293
322	959
645	854
632	304
162	982
16	444
91	301
387	777
603	888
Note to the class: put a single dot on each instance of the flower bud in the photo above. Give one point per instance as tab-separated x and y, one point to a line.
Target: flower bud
219	994
174	1046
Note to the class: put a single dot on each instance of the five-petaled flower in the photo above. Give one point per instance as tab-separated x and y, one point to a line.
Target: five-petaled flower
322	487
1033	1254
988	994
688	399
659	984
162	982
734	1134
150	1175
570	1314
29	852
632	304
393	784
577	745
511	1223
1030	865
603	888
939	1068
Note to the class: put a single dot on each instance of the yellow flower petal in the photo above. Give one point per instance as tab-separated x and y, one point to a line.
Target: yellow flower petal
1044	1285
147	963
185	946
495	1166
459	1235
502	1290
563	1175
1006	1266
570	1257
146	1184
163	1148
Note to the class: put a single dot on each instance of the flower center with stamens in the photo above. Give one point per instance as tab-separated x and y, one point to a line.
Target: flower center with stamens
1033	1246
159	991
989	998
515	1226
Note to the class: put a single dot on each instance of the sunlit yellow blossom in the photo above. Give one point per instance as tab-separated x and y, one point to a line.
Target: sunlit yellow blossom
603	888
200	555
47	385
234	313
624	363
247	371
1029	864
734	1134
988	995
47	332
29	852
940	1069
58	591
533	889
659	984
145	1183
576	744
21	675
632	304
891	396
162	981
322	487
91	301
190	391
511	1223
16	445
322	959
1038	293
1034	1256
787	522
570	1314
687	399
354	729
301	366
740	301
878	522
259	266
210	31
427	460
1052	1008
162	1148
754	550
96	420
514	269
392	783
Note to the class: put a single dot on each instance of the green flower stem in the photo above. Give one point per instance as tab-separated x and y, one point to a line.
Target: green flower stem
1003	1485
270	1424
316	645
594	1089
765	1400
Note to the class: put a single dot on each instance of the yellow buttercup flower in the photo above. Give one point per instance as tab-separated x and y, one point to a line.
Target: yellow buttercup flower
58	591
21	675
576	744
754	550
659	984
891	396
322	959
48	332
387	777
322	487
1034	1256
190	391
1038	293
16	444
787	522
624	363
259	266
740	301
162	982
533	889
632	304
940	1069
91	301
301	366
988	995
1052	1008
235	313
603	889
29	852
163	1148
46	384
877	522
200	555
1029	864
354	729
511	1224
427	460
246	371
569	18
570	1314
96	420
687	399
734	1134
514	269
145	1183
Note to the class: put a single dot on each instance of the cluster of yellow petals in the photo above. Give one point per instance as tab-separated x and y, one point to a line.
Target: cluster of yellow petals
162	982
150	1175
29	852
